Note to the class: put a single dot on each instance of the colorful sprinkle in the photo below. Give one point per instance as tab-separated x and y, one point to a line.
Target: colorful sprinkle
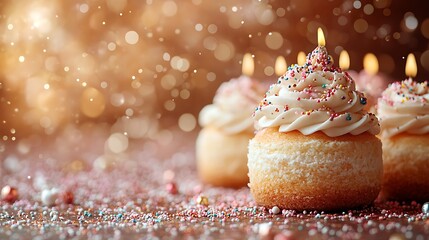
202	200
9	194
348	117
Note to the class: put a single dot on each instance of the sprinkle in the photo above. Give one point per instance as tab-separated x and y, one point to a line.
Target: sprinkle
87	214
275	210
348	117
68	197
49	196
203	200
9	194
286	107
425	208
171	188
363	100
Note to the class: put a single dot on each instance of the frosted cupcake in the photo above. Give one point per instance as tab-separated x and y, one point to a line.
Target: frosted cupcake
227	126
316	147
404	117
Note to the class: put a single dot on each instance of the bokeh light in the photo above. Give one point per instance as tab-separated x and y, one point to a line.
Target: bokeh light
187	122
119	62
92	102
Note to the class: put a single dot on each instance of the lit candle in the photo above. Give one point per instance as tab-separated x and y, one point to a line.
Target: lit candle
320	38
280	66
344	60
411	66
370	64
301	58
248	65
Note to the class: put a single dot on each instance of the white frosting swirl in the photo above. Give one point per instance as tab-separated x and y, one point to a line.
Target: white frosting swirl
316	97
233	105
404	108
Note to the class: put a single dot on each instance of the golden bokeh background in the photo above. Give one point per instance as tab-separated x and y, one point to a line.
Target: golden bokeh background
146	66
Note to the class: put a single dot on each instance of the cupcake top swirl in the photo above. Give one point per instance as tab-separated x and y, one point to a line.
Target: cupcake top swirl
404	108
316	97
233	106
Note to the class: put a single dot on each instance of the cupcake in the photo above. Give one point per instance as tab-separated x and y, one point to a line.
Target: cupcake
315	148
227	126
404	118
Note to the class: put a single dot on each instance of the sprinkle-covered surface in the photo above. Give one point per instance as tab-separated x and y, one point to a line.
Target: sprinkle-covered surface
152	190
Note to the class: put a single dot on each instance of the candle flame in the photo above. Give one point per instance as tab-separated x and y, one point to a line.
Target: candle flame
301	58
280	66
411	66
370	64
248	65
320	37
344	60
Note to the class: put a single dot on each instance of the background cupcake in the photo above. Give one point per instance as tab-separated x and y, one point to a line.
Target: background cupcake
404	116
227	126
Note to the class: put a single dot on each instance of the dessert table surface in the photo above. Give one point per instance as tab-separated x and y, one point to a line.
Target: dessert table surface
152	190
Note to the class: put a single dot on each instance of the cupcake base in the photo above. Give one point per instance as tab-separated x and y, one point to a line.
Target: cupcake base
314	172
406	168
221	158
